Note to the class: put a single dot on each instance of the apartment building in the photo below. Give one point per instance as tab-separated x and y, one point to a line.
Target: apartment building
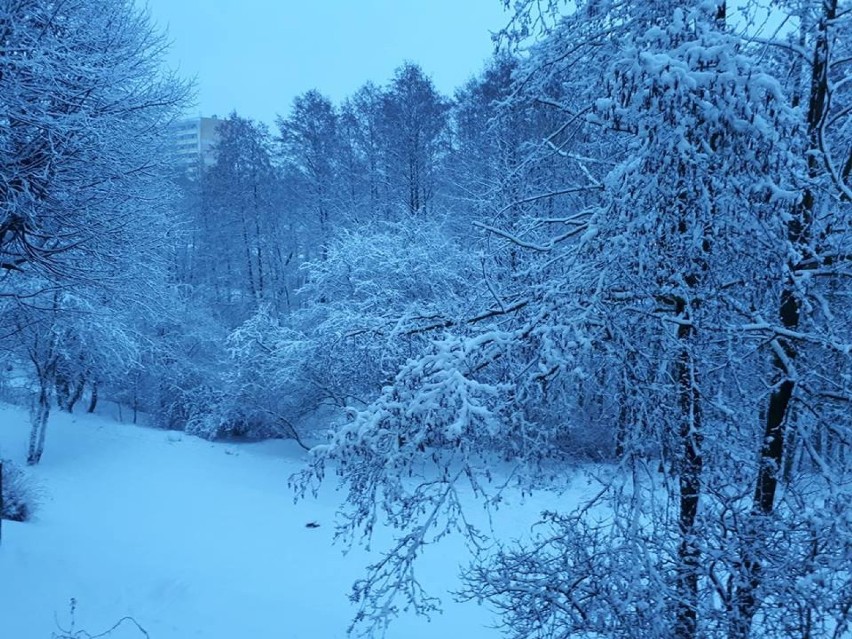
195	140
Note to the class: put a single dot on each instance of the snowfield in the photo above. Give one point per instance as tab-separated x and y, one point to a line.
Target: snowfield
192	539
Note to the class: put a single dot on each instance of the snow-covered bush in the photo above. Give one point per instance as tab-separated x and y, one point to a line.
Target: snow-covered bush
20	496
375	300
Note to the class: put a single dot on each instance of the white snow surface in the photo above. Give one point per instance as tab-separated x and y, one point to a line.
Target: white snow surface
194	539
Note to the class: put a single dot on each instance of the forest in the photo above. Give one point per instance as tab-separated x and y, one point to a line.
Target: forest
621	250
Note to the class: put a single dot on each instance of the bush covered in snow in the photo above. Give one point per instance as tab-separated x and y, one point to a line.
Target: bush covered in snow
20	496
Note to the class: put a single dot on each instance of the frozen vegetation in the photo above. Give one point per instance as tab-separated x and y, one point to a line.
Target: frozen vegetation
624	246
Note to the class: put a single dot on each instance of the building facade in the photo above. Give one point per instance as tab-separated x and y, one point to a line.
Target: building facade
195	142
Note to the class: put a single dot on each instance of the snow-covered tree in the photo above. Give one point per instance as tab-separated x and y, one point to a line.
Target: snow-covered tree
84	113
67	346
245	243
85	108
310	147
363	172
693	290
414	133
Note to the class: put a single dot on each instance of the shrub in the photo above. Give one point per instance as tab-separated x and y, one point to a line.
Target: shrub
19	493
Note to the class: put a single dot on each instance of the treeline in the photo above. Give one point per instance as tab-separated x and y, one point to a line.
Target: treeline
296	272
628	239
312	259
85	213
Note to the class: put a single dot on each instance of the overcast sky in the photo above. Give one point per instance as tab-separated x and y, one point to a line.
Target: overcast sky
255	56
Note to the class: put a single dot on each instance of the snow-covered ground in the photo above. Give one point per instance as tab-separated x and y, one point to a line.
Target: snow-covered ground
192	539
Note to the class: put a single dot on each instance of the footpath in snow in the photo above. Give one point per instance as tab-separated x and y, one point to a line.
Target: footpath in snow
192	539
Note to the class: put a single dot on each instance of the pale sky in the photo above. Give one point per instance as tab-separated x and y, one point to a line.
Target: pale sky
255	56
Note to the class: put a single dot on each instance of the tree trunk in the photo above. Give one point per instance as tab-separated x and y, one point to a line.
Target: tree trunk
93	399
249	261
772	453
76	393
690	466
38	429
62	389
68	392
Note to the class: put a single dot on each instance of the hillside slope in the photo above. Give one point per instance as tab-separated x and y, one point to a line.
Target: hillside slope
191	538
